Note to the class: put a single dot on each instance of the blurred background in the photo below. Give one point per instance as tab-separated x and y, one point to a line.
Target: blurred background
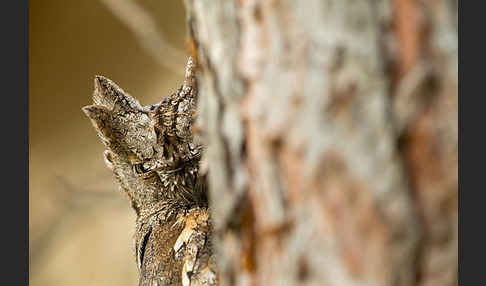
80	224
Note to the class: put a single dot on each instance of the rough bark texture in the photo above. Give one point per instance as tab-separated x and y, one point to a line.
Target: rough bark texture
331	132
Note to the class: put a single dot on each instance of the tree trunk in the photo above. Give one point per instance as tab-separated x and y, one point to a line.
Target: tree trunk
331	132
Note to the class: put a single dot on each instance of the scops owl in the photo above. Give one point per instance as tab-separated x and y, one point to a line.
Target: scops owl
155	160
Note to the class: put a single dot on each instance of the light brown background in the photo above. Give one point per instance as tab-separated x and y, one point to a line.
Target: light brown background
80	225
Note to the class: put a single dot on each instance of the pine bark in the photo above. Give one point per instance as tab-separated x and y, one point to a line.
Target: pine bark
331	133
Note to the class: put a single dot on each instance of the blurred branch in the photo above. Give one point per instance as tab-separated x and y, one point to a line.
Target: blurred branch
70	201
144	27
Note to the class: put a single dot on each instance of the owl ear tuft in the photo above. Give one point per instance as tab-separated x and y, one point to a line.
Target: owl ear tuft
101	119
109	94
96	112
122	124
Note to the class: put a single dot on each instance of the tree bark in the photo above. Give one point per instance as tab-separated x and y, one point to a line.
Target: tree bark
331	133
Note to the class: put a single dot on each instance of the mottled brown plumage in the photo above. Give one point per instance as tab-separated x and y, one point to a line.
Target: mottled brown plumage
155	159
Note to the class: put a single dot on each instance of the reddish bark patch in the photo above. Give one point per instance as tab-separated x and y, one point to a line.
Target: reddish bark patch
434	187
355	220
342	100
408	32
291	166
191	47
248	238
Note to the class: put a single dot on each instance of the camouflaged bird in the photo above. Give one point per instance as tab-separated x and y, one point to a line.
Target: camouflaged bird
155	159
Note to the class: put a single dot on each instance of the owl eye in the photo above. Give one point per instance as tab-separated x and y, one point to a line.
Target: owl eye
140	169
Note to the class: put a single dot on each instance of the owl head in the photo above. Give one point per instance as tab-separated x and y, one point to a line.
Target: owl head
150	149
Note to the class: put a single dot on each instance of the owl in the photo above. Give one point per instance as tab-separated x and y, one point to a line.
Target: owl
155	159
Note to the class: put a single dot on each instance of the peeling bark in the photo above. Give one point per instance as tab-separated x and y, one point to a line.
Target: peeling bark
331	133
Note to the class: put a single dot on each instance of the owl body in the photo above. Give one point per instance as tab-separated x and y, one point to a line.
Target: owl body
177	251
155	160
